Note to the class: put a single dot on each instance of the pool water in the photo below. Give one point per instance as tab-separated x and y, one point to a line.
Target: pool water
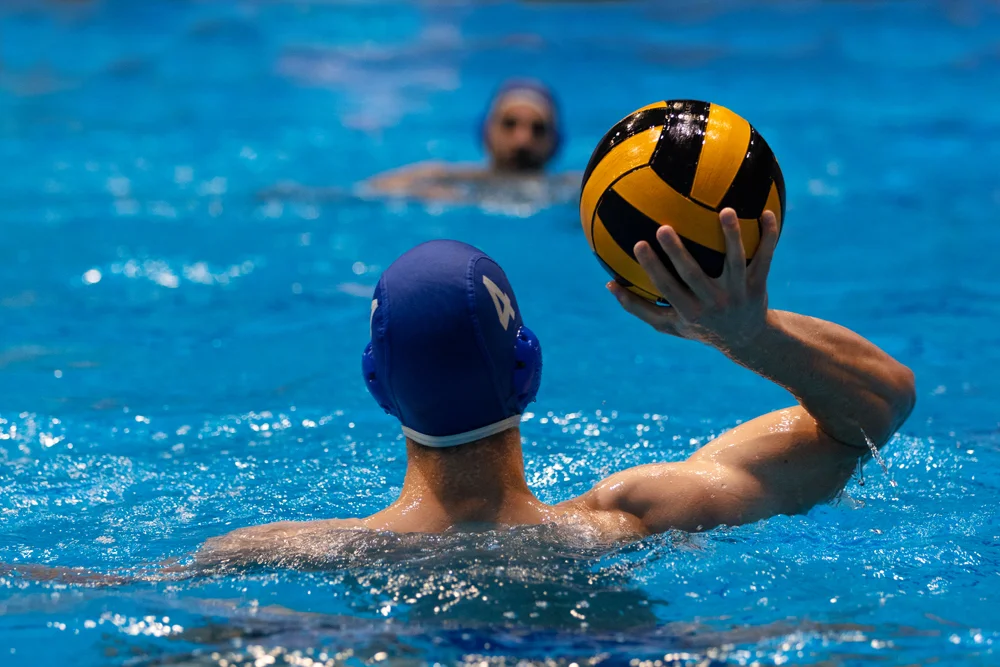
180	349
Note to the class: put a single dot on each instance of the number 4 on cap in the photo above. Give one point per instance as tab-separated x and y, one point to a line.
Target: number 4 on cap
502	302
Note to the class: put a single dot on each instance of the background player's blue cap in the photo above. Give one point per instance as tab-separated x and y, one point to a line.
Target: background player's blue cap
449	355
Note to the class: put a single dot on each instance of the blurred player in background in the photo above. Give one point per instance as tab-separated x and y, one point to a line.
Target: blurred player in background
521	133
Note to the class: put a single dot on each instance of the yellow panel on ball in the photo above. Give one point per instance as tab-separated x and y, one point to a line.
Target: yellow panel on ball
726	139
774	206
626	155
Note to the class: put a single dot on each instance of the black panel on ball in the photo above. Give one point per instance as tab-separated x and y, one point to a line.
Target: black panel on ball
675	158
747	194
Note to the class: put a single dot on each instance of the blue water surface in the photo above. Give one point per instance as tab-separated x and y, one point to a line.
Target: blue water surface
179	349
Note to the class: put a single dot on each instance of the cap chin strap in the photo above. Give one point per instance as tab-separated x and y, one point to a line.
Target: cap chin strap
441	441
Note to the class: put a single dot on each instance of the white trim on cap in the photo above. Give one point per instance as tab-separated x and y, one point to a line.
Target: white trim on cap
462	438
532	98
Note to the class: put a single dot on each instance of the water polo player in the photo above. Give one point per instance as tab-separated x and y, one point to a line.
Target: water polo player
520	131
453	360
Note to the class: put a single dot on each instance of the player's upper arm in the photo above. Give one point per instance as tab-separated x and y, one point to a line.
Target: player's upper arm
781	463
679	496
795	463
403	180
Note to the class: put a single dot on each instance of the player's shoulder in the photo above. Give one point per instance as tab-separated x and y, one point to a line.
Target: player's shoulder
272	542
280	531
662	496
622	488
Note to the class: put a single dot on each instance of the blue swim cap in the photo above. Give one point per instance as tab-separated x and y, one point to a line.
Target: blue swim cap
449	355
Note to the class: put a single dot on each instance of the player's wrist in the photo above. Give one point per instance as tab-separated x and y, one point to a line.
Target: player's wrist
749	339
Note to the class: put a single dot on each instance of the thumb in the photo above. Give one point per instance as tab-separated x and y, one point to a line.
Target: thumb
661	318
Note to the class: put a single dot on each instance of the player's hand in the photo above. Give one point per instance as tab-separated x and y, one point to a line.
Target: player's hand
726	312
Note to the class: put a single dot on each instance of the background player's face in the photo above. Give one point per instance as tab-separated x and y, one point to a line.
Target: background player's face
520	137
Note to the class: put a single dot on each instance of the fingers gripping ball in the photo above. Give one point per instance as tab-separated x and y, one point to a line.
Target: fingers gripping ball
677	163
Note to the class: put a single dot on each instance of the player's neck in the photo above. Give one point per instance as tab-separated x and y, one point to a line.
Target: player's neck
477	482
510	169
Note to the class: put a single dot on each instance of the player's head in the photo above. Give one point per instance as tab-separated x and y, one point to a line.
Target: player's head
449	354
521	130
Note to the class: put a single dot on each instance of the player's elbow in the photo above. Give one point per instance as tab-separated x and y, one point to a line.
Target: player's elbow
902	395
895	399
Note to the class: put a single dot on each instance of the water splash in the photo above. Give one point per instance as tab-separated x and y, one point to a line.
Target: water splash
878	459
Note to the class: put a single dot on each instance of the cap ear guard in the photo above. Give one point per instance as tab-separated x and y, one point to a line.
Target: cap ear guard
368	370
527	368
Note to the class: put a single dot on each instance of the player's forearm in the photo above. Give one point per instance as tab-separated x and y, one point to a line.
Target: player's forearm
850	386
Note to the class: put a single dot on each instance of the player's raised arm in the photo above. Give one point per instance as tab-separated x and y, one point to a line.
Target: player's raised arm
849	391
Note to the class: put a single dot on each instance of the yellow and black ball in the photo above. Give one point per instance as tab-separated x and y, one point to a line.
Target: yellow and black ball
677	163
